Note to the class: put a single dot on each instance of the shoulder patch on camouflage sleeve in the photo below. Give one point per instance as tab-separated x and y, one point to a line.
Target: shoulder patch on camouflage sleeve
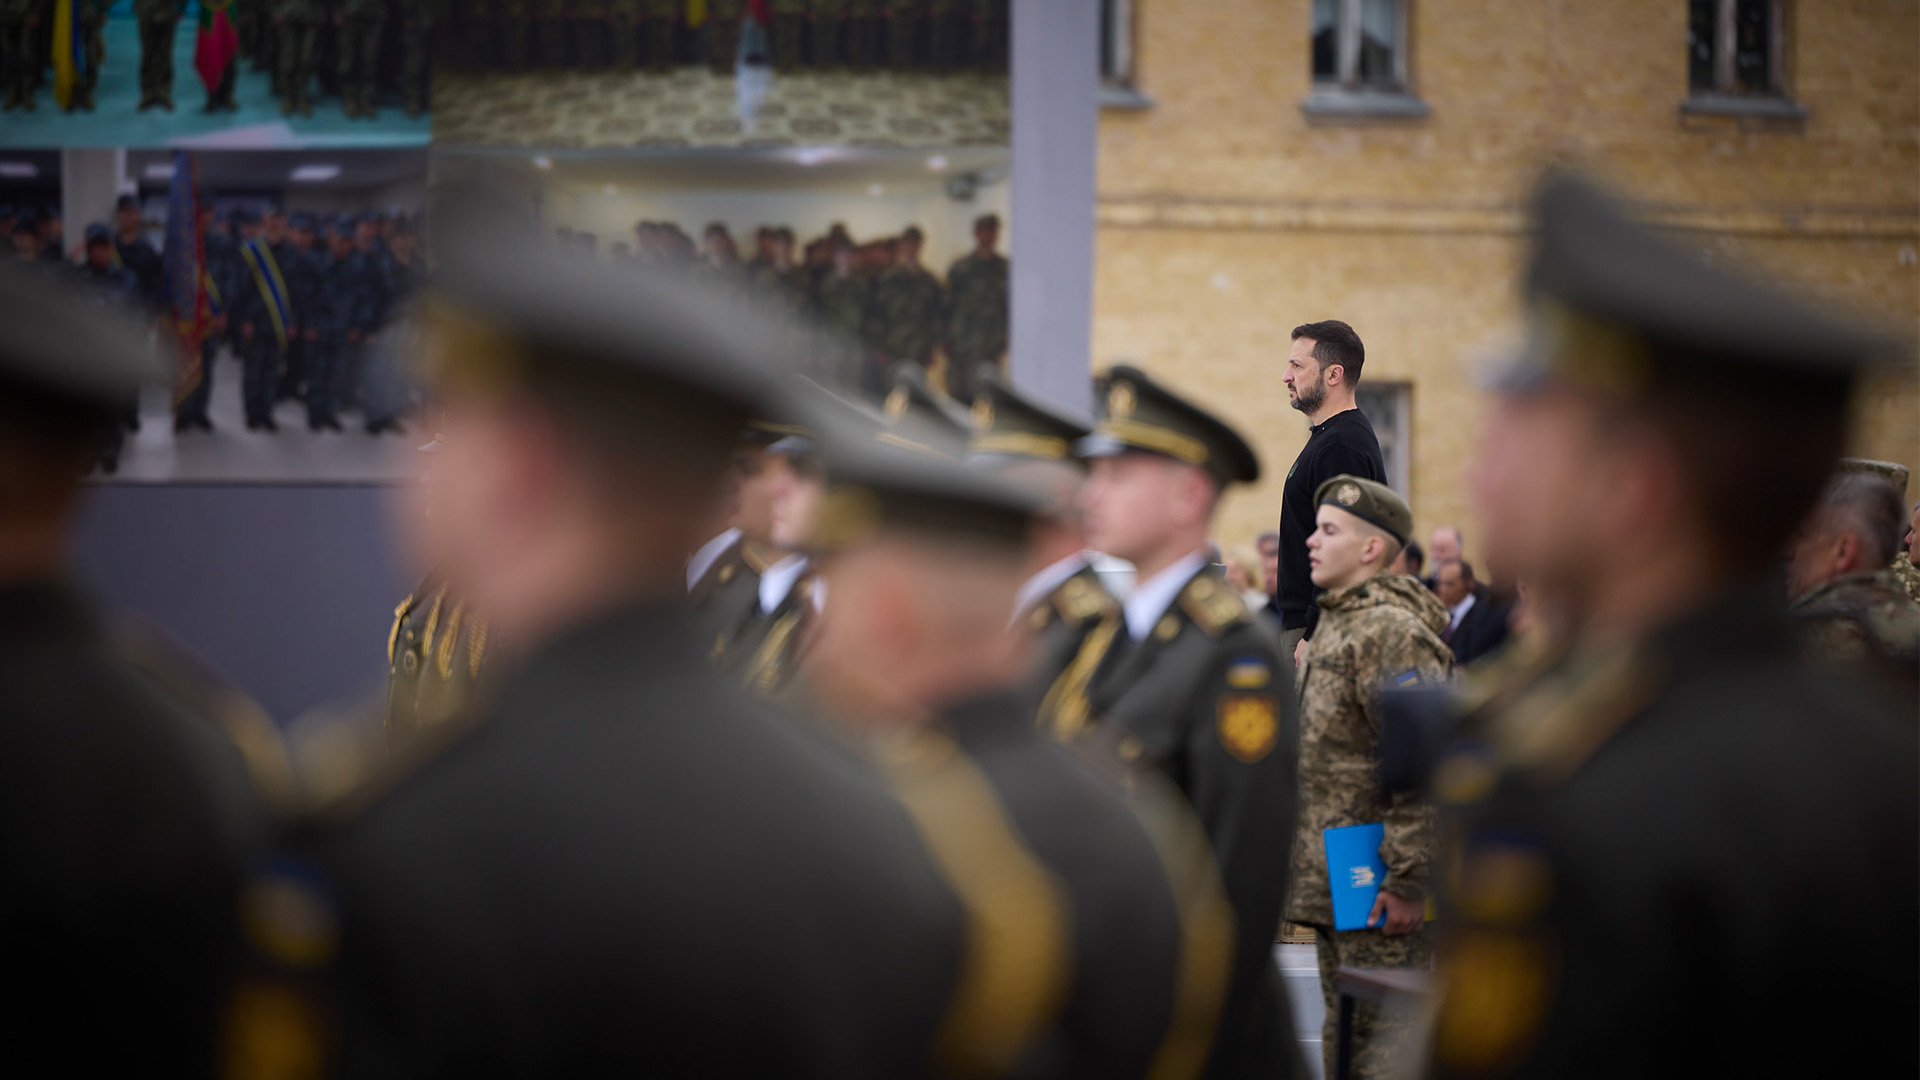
1212	606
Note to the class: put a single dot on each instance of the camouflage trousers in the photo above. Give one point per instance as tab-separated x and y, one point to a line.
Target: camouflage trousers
1381	1037
156	59
415	39
359	59
91	33
293	61
15	60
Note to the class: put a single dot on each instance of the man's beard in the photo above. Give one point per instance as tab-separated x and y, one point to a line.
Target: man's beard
1307	400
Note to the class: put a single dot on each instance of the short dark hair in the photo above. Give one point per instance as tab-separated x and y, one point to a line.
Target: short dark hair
1270	536
912	233
1466	570
1334	342
1416	556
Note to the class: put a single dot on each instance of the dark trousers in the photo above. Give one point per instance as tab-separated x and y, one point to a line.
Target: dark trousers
293	373
553	42
16	59
513	43
260	360
590	42
156	59
786	41
662	43
723	42
194	405
900	32
323	376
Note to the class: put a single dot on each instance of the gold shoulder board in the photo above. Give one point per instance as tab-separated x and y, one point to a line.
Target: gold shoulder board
1213	607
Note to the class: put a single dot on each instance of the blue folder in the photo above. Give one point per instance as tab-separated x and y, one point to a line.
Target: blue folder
1354	872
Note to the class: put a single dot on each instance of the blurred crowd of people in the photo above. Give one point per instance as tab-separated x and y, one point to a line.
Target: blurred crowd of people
356	49
742	729
792	35
875	301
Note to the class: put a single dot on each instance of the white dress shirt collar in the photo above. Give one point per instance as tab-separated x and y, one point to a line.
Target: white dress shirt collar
777	581
1459	611
1041	585
709	554
1151	598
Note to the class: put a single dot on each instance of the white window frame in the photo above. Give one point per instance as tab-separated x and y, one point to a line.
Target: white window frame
1346	96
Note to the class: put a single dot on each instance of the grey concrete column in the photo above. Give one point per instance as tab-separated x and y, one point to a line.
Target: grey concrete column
90	181
1056	83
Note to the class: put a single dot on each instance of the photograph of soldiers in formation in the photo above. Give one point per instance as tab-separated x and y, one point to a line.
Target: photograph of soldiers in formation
876	300
724	72
244	72
270	301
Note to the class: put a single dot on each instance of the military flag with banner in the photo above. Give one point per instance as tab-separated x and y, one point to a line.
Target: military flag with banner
217	44
184	285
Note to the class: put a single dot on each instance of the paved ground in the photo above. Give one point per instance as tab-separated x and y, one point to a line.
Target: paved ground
115	121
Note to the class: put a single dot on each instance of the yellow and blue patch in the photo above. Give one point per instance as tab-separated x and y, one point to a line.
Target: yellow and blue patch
1249	673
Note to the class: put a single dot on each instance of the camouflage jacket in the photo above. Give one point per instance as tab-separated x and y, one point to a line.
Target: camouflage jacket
1862	619
907	313
977	300
1382	632
843	304
1908	574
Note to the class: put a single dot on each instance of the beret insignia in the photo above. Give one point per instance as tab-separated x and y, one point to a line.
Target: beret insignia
1347	495
1249	725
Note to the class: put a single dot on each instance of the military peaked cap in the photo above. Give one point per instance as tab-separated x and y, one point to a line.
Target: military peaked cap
918	418
1606	296
503	311
1370	501
874	485
61	346
1138	414
1009	423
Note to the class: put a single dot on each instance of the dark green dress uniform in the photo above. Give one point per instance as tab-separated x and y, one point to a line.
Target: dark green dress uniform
1011	429
1639	826
127	819
730	586
1207	699
436	652
1125	936
624	866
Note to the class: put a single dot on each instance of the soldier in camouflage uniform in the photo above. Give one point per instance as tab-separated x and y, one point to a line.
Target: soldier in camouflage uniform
417	21
515	22
361	24
89	26
987	34
842	299
1377	630
624	20
1903	568
1850	608
903	24
550	32
158	21
909	306
780	281
789	19
1183	679
863	28
662	31
943	35
19	21
592	25
977	310
723	34
296	25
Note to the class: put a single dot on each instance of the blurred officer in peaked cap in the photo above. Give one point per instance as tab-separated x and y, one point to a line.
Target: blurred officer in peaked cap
1030	443
1183	679
1637	815
920	418
723	574
1124	958
128	818
579	881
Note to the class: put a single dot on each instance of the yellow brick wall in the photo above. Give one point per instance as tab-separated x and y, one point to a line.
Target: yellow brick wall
1226	217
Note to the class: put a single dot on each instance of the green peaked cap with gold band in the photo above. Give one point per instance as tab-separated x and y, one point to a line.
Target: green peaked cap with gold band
1139	415
920	418
1008	423
1370	501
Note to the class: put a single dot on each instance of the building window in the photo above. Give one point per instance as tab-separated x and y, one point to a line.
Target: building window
1360	60
1736	57
1117	88
1389	406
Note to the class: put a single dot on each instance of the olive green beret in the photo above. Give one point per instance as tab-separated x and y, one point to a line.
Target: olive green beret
1370	501
1893	472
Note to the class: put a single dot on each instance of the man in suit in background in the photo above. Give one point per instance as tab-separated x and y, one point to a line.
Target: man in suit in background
1476	624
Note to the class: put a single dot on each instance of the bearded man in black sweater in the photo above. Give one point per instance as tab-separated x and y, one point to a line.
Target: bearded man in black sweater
1323	368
